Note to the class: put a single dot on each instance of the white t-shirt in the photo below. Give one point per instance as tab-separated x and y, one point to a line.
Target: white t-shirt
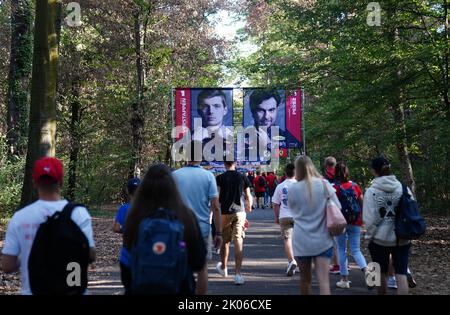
280	197
23	227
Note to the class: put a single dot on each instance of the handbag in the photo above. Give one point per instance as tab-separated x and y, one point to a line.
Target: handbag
335	220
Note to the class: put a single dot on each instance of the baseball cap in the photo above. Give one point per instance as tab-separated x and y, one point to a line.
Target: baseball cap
49	167
133	183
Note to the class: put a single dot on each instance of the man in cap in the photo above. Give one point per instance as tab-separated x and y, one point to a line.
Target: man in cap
47	179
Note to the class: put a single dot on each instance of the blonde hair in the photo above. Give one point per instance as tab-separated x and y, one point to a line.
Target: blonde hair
305	170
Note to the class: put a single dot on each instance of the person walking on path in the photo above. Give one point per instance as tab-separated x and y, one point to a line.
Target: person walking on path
159	191
233	189
260	188
284	217
198	190
20	235
350	195
311	240
266	190
271	184
380	202
119	225
328	174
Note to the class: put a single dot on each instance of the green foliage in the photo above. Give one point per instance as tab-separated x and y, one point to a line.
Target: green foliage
11	177
354	74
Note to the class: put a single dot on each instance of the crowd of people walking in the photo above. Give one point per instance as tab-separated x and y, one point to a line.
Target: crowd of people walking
168	237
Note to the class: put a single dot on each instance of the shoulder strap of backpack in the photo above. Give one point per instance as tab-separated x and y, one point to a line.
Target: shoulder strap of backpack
398	208
338	185
405	189
67	210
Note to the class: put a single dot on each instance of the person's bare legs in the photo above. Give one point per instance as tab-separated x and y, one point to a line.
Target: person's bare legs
224	252
334	259
238	254
305	278
323	274
382	289
202	281
391	270
288	249
402	284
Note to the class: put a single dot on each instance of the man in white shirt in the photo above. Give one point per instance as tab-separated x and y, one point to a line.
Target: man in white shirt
283	216
47	179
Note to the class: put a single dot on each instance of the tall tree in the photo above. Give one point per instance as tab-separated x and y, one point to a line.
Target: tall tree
19	76
42	129
137	115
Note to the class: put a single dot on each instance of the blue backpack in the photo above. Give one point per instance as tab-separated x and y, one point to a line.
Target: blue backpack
409	224
159	262
350	205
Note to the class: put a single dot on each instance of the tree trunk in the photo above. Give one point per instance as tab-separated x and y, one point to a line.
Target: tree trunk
19	76
401	140
402	146
42	129
74	139
48	109
137	119
400	137
446	74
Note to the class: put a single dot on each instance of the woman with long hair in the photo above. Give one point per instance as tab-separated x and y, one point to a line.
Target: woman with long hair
352	234
158	190
311	240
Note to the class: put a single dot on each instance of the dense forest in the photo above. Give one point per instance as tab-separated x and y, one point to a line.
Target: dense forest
97	94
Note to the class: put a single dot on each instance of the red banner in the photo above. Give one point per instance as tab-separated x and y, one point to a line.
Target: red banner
294	118
281	152
182	111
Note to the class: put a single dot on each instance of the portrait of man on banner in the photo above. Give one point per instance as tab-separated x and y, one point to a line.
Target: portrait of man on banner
212	118
264	122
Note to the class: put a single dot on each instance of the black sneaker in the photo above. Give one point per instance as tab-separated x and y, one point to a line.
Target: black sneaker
411	282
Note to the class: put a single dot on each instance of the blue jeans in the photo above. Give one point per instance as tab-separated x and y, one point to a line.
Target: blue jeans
353	235
266	196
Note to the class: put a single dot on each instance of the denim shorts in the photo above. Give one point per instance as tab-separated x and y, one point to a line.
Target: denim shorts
326	254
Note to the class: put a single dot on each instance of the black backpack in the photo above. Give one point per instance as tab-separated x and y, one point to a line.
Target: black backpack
409	224
59	242
350	205
262	181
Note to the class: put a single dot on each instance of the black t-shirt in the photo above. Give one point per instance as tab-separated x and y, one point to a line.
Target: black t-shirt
250	179
232	185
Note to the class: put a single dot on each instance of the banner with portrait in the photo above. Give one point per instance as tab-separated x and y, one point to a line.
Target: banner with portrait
271	123
207	113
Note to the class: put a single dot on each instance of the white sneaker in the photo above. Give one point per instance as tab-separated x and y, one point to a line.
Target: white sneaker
222	272
239	279
290	271
392	283
343	284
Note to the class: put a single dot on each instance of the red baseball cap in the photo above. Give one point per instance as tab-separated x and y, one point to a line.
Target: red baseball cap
48	166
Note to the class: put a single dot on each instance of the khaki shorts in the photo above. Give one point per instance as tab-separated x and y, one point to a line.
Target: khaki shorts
233	226
287	228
